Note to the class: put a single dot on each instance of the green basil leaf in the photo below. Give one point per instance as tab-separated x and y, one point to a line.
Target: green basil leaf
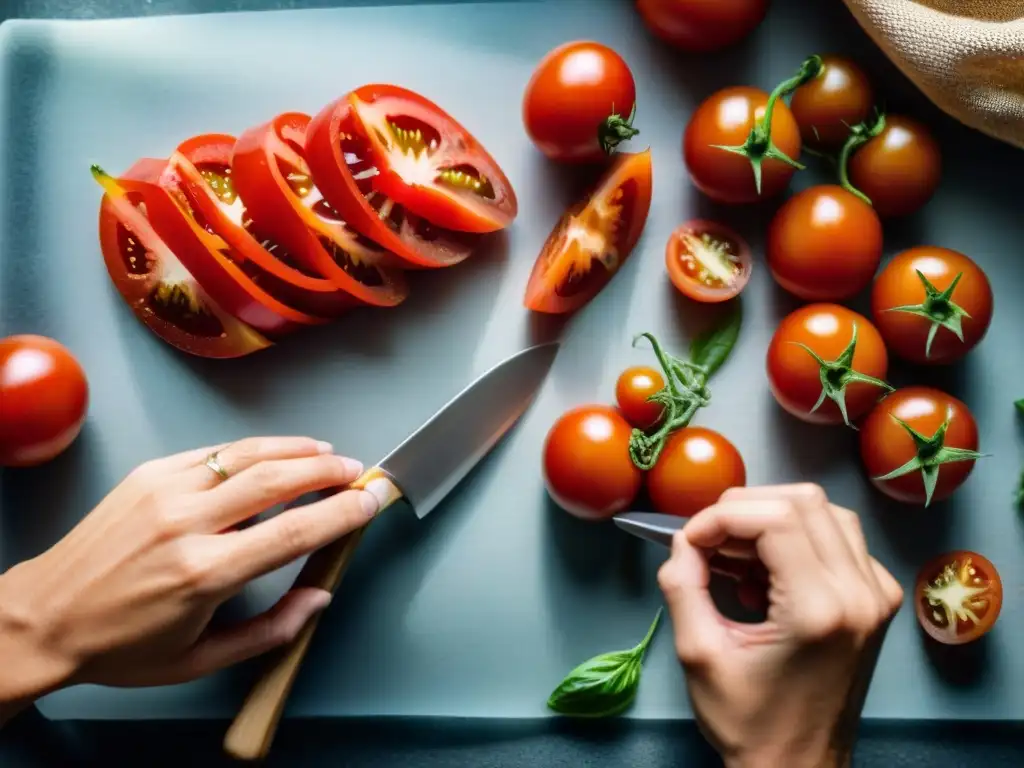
1020	406
711	349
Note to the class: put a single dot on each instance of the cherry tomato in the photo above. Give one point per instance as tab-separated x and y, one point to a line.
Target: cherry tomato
701	26
824	244
593	239
44	397
726	118
634	386
707	261
696	466
587	468
900	169
958	597
578	104
838	98
934	466
908	309
796	377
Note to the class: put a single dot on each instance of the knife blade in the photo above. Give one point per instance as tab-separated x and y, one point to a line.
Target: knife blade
651	526
423	469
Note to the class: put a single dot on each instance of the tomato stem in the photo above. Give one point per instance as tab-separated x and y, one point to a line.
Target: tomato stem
860	135
615	129
939	308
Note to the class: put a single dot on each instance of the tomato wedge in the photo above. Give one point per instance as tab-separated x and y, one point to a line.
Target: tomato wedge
199	174
340	160
161	292
429	163
707	261
271	176
593	239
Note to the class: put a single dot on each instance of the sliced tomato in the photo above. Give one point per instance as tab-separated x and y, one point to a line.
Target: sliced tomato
161	292
958	596
593	239
340	160
270	174
199	173
429	163
707	261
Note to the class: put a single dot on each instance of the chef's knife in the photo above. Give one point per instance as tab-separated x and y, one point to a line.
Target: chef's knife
422	470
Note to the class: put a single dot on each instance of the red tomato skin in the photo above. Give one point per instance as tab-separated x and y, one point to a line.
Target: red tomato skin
44	399
632	389
824	244
826	108
696	466
966	631
691	287
573	90
900	169
726	118
899	285
587	468
794	376
885	445
699	26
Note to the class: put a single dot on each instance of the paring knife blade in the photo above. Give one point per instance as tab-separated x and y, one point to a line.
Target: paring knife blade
651	526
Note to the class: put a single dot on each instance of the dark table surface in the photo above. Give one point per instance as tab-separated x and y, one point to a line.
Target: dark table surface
33	741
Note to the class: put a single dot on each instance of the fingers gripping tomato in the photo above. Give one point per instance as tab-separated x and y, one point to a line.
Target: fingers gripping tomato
633	392
708	262
958	597
593	239
825	108
700	26
695	468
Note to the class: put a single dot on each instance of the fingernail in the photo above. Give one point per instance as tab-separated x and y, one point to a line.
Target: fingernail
324	447
353	467
368	503
322	600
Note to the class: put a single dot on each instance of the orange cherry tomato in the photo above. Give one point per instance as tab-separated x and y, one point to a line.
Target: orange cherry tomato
700	26
696	466
707	261
958	596
826	108
632	389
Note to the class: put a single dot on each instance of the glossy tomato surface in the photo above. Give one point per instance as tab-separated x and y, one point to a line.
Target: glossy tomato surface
696	466
44	398
430	163
827	107
593	239
587	468
958	597
900	169
577	93
708	261
701	26
824	244
726	118
899	284
633	389
794	376
885	445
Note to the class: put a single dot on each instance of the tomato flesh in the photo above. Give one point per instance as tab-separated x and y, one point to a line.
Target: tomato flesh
900	169
700	26
707	261
632	392
839	98
958	597
696	466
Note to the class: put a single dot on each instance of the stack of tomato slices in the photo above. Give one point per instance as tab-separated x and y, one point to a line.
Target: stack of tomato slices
232	243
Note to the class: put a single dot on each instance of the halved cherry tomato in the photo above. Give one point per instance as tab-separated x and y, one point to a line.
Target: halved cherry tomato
271	176
824	244
158	288
826	108
579	103
340	160
701	26
725	119
919	445
429	163
632	390
696	466
587	467
593	239
958	597
916	317
44	398
707	261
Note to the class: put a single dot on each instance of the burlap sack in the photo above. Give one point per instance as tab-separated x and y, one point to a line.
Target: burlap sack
967	56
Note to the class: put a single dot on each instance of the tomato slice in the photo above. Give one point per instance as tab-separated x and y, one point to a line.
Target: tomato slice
707	261
271	176
429	163
161	292
340	159
593	239
958	596
199	174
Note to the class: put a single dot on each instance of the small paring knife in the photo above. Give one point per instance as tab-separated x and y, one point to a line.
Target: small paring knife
422	470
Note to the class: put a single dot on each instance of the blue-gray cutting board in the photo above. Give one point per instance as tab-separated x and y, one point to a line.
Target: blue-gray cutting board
481	609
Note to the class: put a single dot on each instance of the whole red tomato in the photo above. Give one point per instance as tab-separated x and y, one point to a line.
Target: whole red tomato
702	26
932	305
587	468
632	390
44	397
919	445
840	96
578	105
958	596
824	244
696	466
726	118
825	354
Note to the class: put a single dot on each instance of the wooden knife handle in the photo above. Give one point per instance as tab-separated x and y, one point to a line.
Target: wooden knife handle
253	729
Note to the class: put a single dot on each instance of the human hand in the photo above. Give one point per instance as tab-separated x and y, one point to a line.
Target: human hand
125	599
787	691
